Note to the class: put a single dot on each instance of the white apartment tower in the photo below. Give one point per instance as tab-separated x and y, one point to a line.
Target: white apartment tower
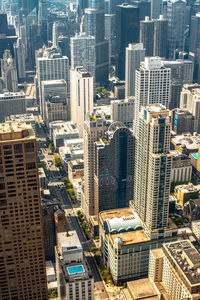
82	96
135	53
153	165
152	85
83	52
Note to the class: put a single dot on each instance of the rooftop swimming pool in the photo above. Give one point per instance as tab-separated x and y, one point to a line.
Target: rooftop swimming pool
195	155
75	270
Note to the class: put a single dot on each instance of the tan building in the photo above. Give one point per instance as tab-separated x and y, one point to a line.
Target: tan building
22	258
56	108
75	169
196	228
155	265
186	192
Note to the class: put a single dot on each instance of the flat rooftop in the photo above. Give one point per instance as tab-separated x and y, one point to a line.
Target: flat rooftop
15	131
68	242
187	260
115	213
157	253
131	237
142	289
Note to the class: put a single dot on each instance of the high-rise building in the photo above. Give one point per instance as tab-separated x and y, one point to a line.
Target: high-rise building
55	35
181	73
12	104
156	9
34	43
190	100
152	85
82	96
123	111
114	168
127	31
54	88
147	35
135	54
94	128
20	56
176	10
51	65
94	25
194	45
7	35
153	166
22	257
9	72
83	52
160	40
43	20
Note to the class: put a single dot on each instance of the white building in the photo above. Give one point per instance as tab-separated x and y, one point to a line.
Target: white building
135	53
75	280
66	130
83	52
51	65
152	85
82	96
20	55
123	111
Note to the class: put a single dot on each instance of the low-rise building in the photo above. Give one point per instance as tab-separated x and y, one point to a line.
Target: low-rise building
51	277
56	108
186	143
186	192
181	167
63	131
75	169
42	178
182	121
25	118
196	228
75	280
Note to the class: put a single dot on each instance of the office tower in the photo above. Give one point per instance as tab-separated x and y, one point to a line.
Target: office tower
94	25
51	66
83	52
82	96
28	5
160	40
147	35
64	45
75	280
156	9
114	168
153	166
181	73
189	100
55	35
43	20
194	45
34	43
7	35
22	257
94	128
110	35
176	10
182	122
9	72
123	111
20	56
111	6
127	31
152	85
135	54
54	88
12	104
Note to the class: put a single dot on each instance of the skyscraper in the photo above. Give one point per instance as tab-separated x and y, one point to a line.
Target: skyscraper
43	20
20	56
94	128
160	40
127	31
194	45
135	54
156	9
176	17
94	25
153	166
82	96
9	72
114	168
83	52
147	35
55	35
152	85
22	258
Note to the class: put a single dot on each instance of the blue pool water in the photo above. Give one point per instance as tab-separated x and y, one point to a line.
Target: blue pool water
195	155
75	269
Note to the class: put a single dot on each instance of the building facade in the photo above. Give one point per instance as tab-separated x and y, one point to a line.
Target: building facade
22	259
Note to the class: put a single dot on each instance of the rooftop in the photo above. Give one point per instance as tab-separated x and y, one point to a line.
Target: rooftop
187	260
142	289
115	213
68	242
157	253
130	238
15	131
